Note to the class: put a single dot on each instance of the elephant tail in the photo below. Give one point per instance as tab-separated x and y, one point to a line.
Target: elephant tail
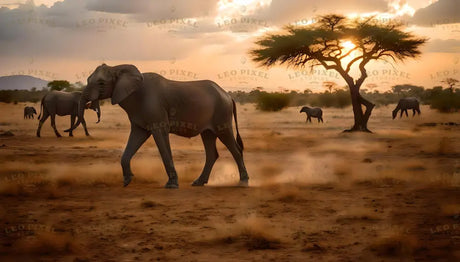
238	137
41	109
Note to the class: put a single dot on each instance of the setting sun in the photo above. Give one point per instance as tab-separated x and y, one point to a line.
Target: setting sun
348	45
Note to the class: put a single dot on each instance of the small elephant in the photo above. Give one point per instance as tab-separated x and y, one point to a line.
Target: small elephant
312	112
62	104
29	112
407	103
157	106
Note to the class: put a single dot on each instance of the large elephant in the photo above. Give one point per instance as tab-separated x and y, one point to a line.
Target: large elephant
29	112
157	106
313	112
62	104
407	103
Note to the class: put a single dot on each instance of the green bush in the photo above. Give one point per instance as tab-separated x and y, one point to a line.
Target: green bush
446	101
272	101
337	99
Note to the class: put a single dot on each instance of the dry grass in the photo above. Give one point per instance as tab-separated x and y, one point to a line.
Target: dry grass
289	193
12	189
47	243
450	210
358	214
307	178
395	244
149	204
250	232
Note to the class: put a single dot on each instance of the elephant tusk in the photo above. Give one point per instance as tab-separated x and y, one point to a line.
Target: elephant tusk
88	105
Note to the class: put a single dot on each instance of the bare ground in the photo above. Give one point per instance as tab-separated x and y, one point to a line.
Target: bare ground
314	193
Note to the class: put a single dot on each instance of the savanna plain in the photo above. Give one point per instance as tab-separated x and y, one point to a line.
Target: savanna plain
315	194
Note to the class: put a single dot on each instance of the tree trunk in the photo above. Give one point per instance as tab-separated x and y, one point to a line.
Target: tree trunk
361	118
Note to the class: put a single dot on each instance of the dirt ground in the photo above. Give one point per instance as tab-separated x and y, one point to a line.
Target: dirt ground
315	194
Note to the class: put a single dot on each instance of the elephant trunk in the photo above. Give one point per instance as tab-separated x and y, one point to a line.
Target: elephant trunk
96	107
98	111
395	112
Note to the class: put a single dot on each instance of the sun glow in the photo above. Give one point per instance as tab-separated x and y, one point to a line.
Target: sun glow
347	45
400	8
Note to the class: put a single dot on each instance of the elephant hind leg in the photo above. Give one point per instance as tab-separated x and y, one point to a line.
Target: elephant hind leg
209	142
229	141
405	110
42	120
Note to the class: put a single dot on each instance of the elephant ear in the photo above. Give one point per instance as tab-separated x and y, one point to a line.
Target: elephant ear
128	79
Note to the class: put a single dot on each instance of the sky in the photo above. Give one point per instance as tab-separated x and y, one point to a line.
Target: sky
211	39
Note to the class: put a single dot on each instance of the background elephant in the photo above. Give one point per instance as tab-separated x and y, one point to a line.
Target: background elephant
157	106
407	103
29	112
313	112
63	104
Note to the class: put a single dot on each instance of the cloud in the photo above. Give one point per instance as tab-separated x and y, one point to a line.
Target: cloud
440	12
146	10
68	29
151	31
285	11
443	46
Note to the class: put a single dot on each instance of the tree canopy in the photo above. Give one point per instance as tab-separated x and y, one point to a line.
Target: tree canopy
59	85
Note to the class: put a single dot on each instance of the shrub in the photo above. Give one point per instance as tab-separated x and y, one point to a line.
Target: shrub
272	101
446	101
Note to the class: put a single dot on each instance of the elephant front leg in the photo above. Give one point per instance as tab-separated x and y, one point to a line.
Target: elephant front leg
83	122
137	137
53	125
72	122
162	140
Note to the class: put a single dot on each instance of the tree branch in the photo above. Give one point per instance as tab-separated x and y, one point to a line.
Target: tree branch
348	53
363	76
352	62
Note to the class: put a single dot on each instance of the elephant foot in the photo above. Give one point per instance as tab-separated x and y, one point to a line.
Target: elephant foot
172	183
243	183
70	135
58	135
127	180
199	182
38	135
87	134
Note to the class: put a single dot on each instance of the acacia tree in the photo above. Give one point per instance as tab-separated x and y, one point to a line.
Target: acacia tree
58	85
322	44
451	82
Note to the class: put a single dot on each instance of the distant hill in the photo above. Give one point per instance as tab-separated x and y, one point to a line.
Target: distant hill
21	82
